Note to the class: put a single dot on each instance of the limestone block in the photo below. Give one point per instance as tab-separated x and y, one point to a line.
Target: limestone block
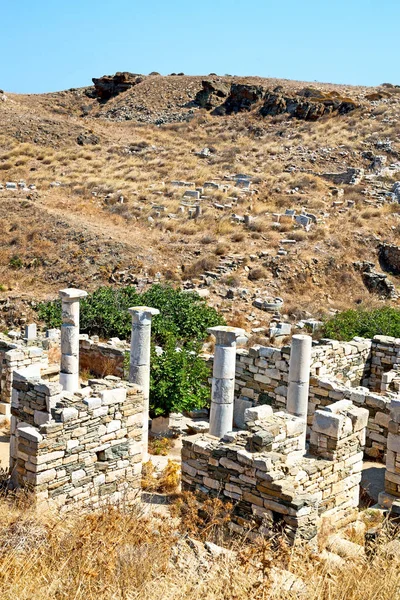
393	442
258	413
395	410
29	433
40	417
359	417
330	424
117	395
69	414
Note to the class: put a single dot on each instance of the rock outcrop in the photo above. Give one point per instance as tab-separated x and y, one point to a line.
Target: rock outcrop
111	85
389	258
309	104
241	98
210	95
376	283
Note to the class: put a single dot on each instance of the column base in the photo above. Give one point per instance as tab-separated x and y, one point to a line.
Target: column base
69	381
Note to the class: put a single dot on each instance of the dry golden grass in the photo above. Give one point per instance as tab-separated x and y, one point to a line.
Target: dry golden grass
139	161
122	554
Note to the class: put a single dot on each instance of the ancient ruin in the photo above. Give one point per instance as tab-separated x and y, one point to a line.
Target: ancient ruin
288	429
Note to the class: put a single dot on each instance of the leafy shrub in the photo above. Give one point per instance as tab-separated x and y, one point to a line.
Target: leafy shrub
363	323
105	313
178	379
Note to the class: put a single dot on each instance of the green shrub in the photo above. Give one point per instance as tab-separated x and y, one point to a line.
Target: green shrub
105	313
363	323
178	379
16	262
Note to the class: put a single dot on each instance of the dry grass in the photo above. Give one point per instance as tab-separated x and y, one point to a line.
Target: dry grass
121	554
139	161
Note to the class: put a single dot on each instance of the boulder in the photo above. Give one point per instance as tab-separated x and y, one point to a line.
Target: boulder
84	139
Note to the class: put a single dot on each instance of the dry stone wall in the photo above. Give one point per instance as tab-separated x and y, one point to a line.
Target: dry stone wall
271	487
385	357
262	372
21	359
101	359
77	449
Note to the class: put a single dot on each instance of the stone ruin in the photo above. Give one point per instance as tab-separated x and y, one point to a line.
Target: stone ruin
264	468
288	427
73	445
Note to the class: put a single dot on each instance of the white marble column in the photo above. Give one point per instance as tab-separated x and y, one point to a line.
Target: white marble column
69	371
223	382
299	378
139	365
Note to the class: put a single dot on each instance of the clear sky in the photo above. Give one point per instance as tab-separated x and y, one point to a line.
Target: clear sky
49	45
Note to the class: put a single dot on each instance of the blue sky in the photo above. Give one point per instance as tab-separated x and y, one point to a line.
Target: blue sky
49	45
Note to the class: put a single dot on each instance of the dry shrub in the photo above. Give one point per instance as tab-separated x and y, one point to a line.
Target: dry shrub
237	320
165	482
119	553
257	273
203	517
221	249
208	263
238	236
160	446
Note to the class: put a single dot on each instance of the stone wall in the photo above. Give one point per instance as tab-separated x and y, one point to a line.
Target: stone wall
324	392
271	487
101	359
77	449
390	498
385	353
262	372
23	359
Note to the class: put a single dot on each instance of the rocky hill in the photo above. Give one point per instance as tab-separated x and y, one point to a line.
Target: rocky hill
245	188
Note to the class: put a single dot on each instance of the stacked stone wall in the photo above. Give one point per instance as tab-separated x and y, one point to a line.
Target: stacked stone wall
324	392
262	372
18	358
270	489
392	473
101	359
77	449
385	356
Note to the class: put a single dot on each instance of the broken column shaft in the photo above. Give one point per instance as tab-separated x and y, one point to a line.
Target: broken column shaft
139	366
299	378
69	371
223	382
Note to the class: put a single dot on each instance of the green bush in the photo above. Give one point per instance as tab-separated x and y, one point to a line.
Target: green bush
178	378
105	313
363	323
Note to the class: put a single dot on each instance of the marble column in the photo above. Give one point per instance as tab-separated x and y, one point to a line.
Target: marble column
223	382
299	378
69	371
139	366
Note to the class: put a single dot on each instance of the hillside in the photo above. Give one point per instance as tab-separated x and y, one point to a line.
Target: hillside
105	210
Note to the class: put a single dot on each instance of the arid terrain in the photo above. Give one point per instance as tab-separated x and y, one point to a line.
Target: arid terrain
105	211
